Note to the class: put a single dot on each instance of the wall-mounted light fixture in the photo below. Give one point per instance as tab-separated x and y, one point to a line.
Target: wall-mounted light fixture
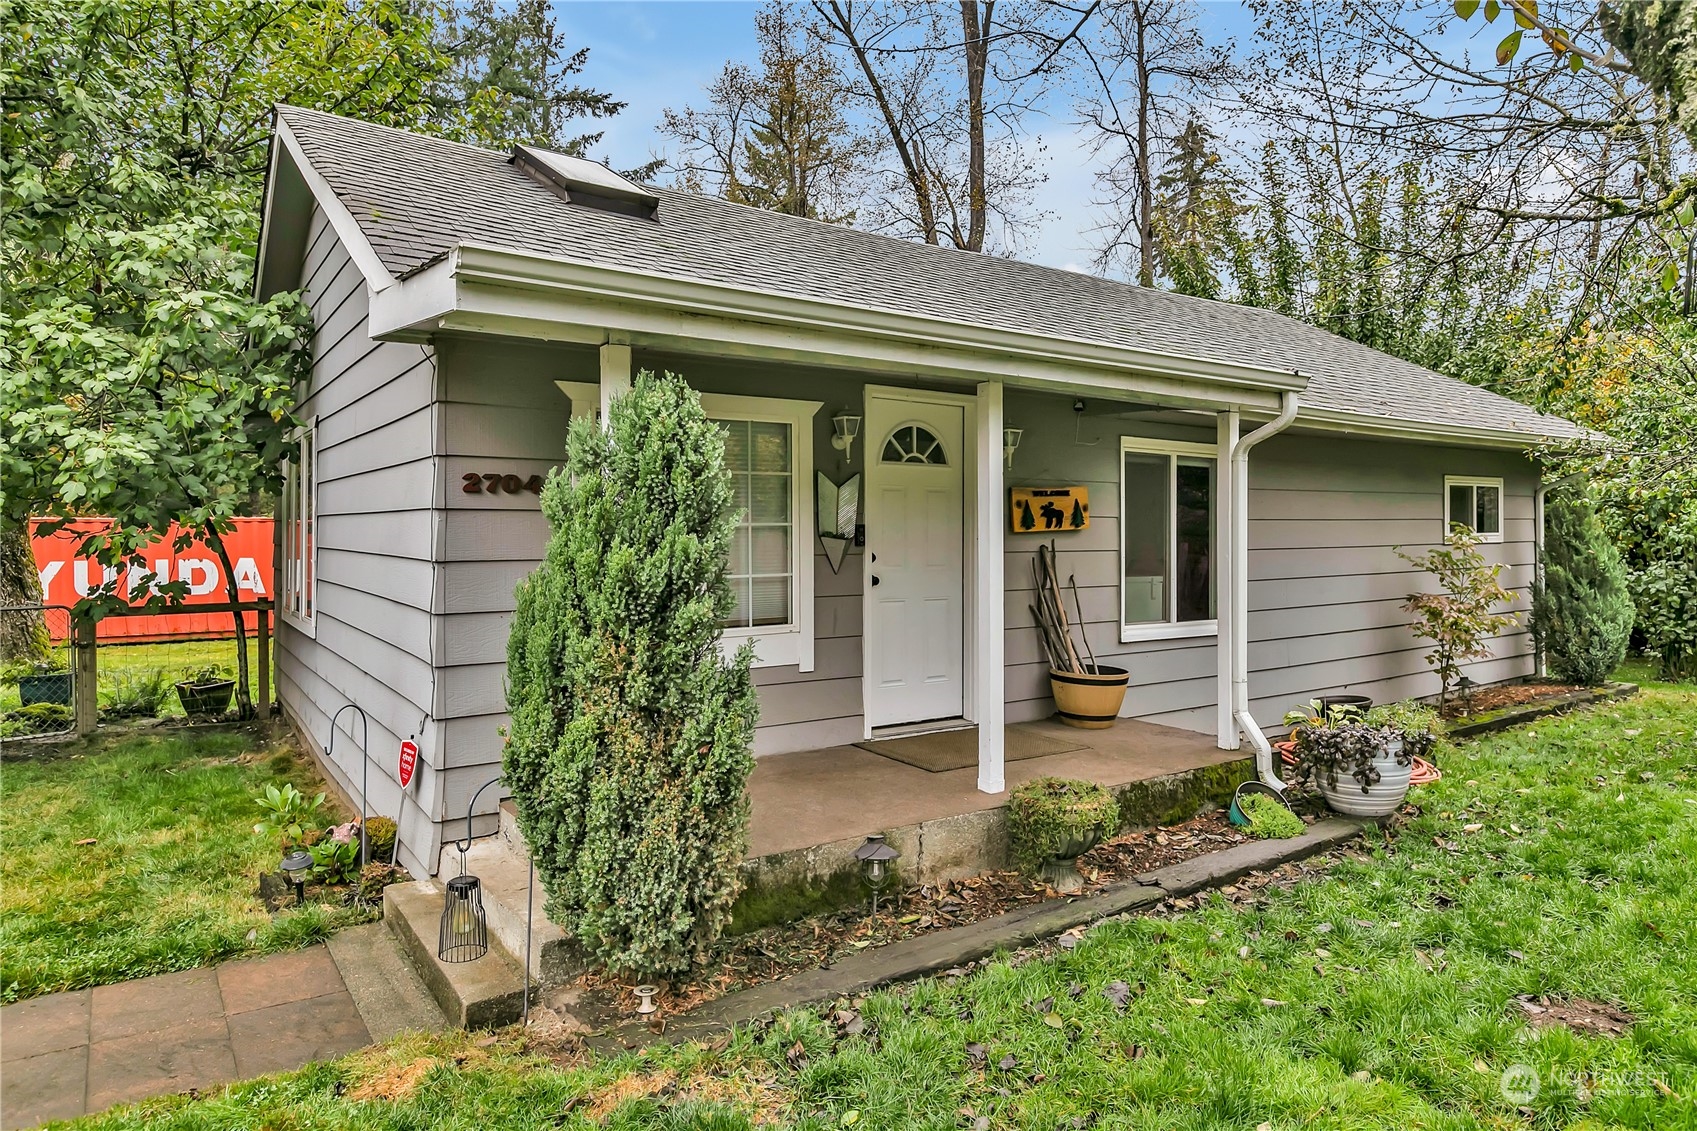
1010	443
844	428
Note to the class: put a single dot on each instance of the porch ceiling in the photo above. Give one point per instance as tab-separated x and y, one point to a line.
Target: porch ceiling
815	797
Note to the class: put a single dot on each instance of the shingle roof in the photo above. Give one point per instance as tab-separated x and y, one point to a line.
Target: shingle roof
416	197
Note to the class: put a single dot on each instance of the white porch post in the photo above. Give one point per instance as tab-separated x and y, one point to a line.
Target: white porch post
1225	571
615	376
988	598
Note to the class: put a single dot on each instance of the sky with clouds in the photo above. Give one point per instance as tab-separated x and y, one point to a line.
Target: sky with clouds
662	54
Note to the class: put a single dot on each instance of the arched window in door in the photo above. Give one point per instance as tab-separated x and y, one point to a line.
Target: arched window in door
914	443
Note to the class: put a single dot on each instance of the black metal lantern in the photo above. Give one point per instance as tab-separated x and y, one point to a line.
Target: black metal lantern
295	866
464	936
1466	686
875	857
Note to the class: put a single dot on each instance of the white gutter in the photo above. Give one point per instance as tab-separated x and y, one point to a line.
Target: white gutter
504	276
1239	610
1473	436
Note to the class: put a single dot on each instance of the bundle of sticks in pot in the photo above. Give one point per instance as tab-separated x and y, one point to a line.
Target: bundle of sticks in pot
1087	693
1051	613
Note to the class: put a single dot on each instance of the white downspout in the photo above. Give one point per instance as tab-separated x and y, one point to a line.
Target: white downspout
1239	610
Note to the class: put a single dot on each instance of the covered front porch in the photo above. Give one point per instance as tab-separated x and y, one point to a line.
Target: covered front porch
811	809
816	797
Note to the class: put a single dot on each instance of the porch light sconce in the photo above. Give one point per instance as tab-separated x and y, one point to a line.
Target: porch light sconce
1010	443
875	857
844	429
295	866
645	1000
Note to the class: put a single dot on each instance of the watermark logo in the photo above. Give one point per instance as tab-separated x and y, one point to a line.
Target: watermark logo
1520	1084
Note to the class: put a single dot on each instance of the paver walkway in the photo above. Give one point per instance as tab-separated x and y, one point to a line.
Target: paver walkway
71	1053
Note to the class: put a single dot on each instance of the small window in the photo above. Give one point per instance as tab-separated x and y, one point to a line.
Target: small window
298	514
1168	493
758	456
914	443
769	455
1476	504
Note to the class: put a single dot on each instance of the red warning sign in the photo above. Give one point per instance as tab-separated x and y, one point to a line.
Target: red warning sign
409	761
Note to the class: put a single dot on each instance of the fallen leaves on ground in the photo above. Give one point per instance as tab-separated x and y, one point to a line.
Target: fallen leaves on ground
1582	1015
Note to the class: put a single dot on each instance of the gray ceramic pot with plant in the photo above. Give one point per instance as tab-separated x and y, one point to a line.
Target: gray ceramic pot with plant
1361	763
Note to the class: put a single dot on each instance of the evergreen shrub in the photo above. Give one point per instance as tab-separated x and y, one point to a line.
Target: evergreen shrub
629	747
1582	608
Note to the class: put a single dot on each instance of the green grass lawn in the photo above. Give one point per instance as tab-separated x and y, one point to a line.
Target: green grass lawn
168	879
1553	859
118	663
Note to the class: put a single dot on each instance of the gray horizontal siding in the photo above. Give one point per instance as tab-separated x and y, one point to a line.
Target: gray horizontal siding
503	414
1326	583
372	642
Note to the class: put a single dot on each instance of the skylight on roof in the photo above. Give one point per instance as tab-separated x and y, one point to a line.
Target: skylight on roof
585	182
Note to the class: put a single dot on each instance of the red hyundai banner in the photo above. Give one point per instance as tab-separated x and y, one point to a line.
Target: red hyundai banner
66	578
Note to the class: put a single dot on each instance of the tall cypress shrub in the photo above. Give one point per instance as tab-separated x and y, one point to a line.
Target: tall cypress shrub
629	747
1582	609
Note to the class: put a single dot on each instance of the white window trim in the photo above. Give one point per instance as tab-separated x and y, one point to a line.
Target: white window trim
781	645
1476	481
1170	629
288	582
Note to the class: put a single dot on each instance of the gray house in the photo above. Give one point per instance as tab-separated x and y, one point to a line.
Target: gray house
1245	478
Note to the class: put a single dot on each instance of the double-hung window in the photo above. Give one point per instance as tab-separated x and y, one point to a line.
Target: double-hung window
769	454
1476	504
1168	538
297	588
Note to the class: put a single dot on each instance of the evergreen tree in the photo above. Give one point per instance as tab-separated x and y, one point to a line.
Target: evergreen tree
628	752
510	78
1194	212
775	138
1581	609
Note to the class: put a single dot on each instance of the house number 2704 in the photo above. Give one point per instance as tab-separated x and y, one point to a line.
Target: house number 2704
494	483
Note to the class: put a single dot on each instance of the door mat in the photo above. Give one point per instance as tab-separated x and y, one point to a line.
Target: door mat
958	749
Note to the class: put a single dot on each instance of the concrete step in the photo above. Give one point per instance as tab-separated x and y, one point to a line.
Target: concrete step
387	991
482	994
505	874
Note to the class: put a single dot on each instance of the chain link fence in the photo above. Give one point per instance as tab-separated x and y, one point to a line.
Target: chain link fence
38	688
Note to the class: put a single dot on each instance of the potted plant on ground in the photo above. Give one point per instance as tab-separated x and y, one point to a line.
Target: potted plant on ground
1087	694
44	681
1361	763
206	691
1054	821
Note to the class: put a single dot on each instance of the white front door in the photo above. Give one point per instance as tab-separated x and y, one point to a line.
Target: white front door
915	542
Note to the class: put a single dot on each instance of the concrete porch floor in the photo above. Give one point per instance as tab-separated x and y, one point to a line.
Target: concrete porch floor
816	797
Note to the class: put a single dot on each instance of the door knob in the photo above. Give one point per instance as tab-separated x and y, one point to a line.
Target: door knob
874	579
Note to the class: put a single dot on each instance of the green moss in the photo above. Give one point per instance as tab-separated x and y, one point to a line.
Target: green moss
1178	797
1270	818
1055	817
765	902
